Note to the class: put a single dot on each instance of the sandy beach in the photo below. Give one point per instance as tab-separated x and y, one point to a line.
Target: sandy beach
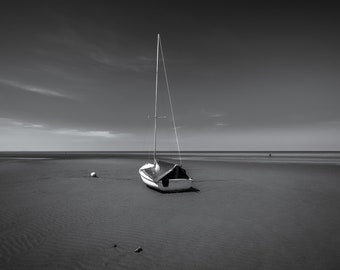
242	215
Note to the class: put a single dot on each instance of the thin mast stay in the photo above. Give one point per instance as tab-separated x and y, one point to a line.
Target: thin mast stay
172	111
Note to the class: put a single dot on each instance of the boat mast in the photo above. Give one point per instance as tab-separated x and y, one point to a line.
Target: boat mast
156	90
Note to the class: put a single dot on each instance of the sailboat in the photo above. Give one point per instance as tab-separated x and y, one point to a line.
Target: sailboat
162	175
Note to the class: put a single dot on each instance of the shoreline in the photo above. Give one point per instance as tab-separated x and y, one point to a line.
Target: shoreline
331	158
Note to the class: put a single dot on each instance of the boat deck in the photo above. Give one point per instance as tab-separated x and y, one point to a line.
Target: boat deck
166	170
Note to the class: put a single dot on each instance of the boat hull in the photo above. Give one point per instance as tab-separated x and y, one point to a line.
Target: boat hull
170	185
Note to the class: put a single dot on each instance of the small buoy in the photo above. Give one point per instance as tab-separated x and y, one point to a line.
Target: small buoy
114	246
93	174
139	249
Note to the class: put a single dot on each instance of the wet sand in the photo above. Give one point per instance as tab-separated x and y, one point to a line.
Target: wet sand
243	215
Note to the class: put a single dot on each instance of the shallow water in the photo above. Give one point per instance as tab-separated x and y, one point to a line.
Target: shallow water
244	215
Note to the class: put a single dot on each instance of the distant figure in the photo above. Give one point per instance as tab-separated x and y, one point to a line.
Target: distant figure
93	174
270	154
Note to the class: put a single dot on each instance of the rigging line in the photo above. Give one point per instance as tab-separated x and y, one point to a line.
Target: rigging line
172	112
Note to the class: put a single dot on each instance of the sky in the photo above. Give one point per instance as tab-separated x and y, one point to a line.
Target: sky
80	75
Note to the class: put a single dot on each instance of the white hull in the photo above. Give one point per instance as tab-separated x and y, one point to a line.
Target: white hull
174	185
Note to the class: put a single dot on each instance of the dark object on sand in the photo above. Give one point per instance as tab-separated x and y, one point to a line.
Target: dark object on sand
139	249
114	246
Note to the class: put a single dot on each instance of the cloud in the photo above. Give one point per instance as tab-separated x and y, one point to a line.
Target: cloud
216	115
108	56
34	89
29	125
86	133
139	64
11	122
36	126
